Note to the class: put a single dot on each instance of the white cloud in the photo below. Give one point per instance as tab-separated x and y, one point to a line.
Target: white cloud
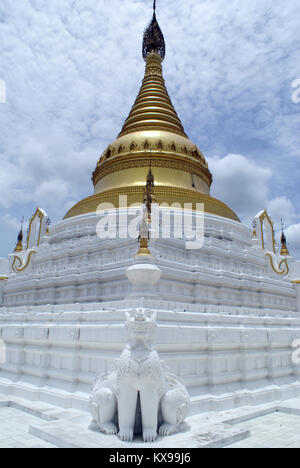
245	187
2	92
12	222
293	238
241	183
282	209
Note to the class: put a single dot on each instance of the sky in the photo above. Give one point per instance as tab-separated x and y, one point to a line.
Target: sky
72	70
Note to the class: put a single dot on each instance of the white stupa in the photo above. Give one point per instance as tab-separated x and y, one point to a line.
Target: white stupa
227	313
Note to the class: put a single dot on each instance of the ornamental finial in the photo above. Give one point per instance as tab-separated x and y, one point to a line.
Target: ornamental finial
284	250
48	226
254	225
153	38
19	246
144	236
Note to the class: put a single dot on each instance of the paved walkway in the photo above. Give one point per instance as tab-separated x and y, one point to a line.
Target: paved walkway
276	430
14	425
273	425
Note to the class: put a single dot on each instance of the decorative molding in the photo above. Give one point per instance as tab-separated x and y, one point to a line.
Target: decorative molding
40	214
167	161
264	216
163	194
22	259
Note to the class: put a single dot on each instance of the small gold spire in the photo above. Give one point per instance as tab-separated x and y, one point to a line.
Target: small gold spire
284	250
149	192
48	227
144	233
144	247
19	246
147	210
254	233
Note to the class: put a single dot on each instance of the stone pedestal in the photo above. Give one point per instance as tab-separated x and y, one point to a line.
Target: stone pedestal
143	277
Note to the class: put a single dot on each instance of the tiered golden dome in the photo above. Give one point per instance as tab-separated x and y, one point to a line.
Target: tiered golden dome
152	131
153	108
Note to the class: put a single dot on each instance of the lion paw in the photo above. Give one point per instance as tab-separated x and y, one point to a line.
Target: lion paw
167	429
126	434
149	435
108	428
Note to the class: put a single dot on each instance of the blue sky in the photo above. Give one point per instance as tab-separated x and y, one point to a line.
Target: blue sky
72	70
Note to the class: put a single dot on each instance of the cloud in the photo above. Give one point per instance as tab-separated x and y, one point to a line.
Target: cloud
282	209
293	237
2	92
241	183
11	222
246	187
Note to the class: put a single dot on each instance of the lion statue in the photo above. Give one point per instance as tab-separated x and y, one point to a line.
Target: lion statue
139	395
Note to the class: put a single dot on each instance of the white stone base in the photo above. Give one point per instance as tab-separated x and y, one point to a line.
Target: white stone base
64	435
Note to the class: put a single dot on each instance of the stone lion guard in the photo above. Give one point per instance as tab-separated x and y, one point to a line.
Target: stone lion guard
139	378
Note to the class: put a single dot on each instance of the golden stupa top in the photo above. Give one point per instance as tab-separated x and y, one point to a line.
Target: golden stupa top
153	109
152	130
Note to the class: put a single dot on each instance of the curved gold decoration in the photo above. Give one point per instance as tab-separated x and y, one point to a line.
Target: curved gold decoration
39	214
262	217
32	242
167	195
279	271
20	269
3	278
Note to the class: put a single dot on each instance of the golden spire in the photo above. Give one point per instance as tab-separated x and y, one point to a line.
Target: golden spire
48	227
149	192
284	250
153	108
19	246
254	225
144	236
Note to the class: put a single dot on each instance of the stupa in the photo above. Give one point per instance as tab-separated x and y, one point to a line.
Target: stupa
227	313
